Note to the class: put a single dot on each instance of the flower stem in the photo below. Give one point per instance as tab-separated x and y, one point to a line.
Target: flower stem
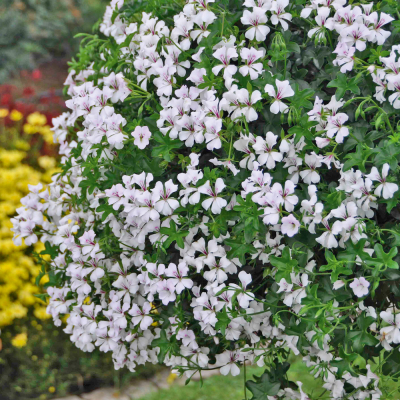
244	380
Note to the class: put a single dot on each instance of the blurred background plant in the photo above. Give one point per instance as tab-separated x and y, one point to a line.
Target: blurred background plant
37	361
35	31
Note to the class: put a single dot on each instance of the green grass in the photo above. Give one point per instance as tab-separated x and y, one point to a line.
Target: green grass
228	387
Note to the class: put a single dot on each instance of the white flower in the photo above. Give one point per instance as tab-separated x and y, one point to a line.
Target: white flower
142	135
141	316
225	54
279	15
284	286
203	19
377	34
345	57
216	203
356	34
246	101
165	80
256	19
385	189
327	239
391	333
251	68
213	126
360	286
282	91
264	147
290	225
116	82
178	276
310	176
335	127
323	23
228	361
166	205
299	283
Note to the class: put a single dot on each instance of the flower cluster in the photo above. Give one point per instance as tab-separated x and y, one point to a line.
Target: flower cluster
220	202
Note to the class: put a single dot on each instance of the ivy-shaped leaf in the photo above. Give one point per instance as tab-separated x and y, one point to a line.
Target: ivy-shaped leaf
239	249
173	235
262	387
285	264
342	83
166	146
164	344
383	259
337	267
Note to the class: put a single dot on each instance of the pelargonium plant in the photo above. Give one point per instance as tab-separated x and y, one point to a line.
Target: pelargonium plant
228	192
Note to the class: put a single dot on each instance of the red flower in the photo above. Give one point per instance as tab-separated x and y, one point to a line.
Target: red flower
36	74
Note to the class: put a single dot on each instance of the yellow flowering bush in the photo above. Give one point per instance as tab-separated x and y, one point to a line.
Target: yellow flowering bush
18	270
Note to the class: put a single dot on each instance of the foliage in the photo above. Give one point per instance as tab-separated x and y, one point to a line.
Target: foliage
32	30
228	192
49	365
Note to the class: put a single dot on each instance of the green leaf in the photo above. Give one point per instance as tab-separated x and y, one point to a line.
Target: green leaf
166	146
364	322
239	249
387	154
301	98
361	339
164	344
284	264
337	267
395	236
353	250
106	210
334	199
344	84
263	387
343	363
385	259
359	158
303	128
42	296
52	251
223	320
173	235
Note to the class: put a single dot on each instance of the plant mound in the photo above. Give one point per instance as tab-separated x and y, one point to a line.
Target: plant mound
228	192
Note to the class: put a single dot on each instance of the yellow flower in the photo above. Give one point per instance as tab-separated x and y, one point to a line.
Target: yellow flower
47	162
22	145
52	389
47	134
36	119
64	318
18	271
16	115
19	340
39	246
29	129
87	300
40	313
44	279
171	378
3	112
10	158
